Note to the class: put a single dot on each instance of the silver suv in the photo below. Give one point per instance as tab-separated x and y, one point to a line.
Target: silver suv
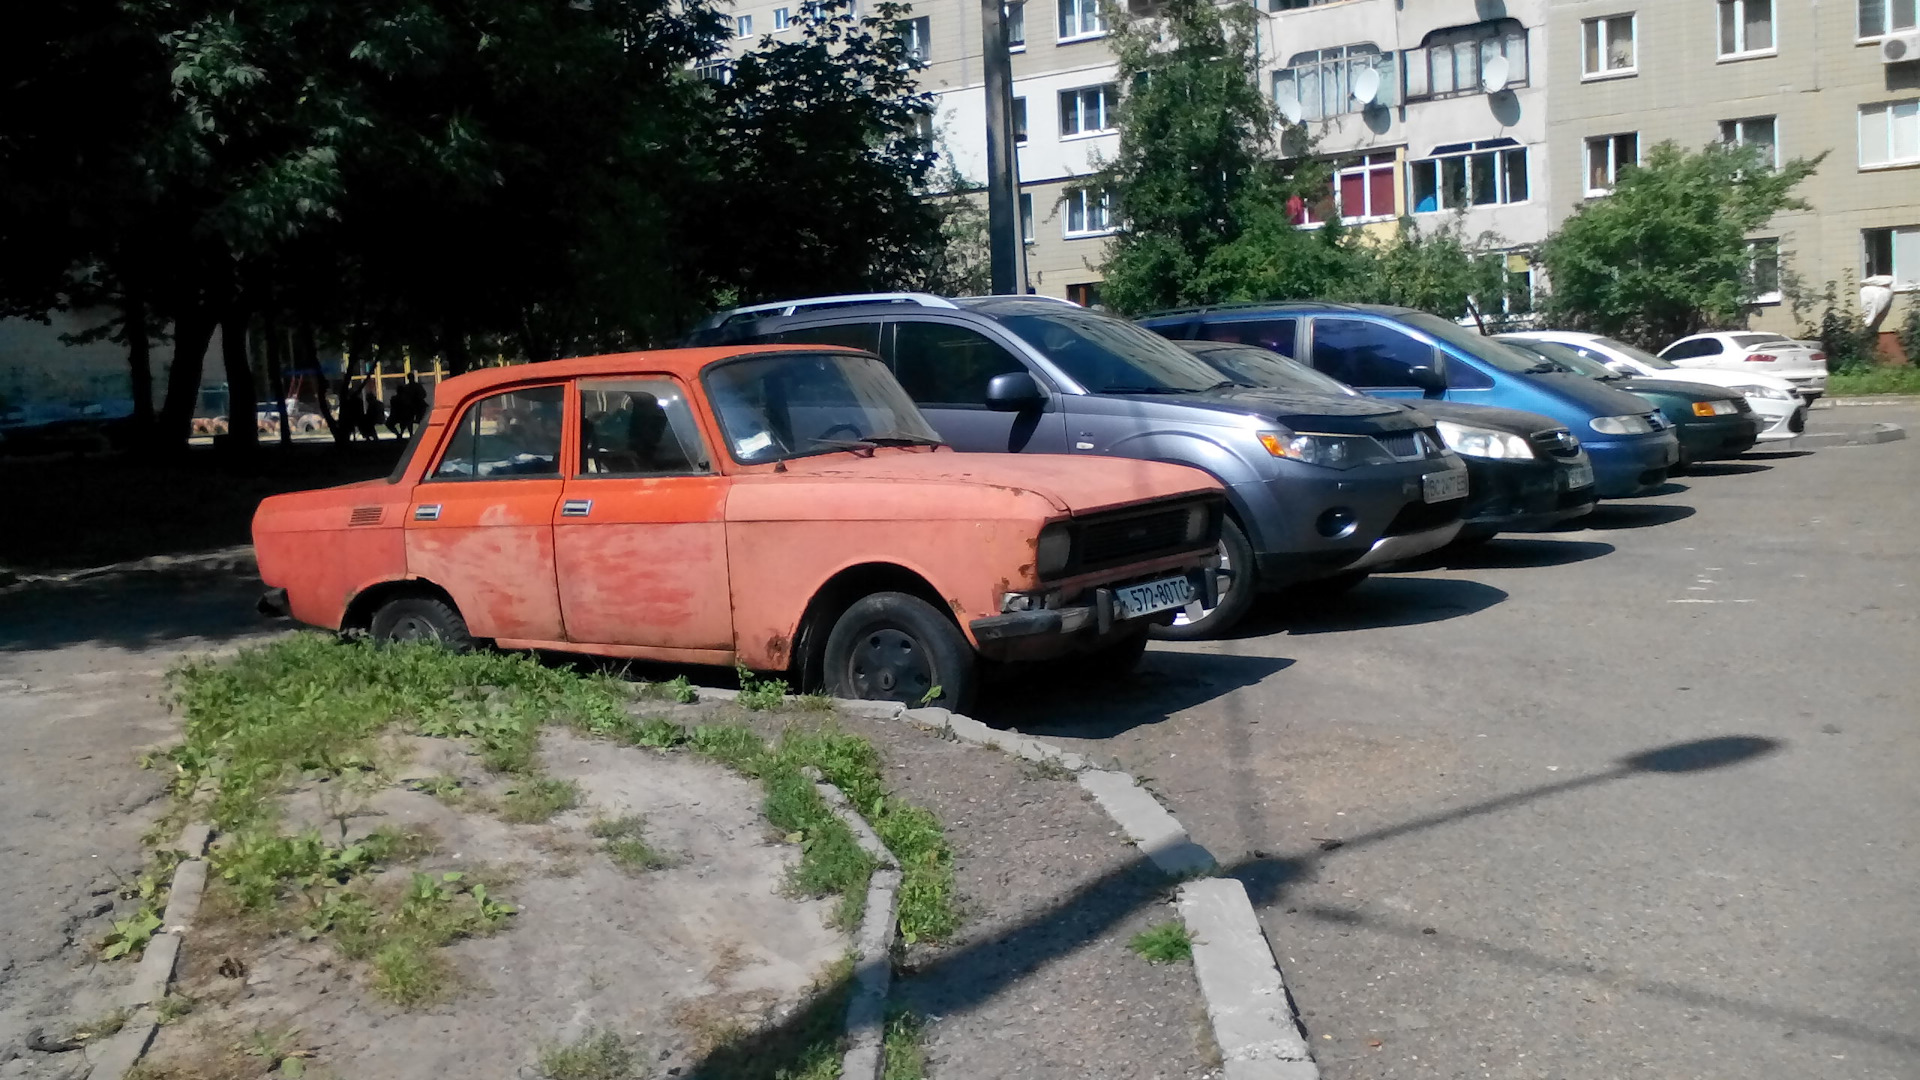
1321	488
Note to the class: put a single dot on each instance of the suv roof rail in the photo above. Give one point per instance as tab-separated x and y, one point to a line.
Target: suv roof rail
811	303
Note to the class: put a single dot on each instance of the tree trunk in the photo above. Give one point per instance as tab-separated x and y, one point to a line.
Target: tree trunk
243	422
458	358
306	356
139	363
274	340
191	334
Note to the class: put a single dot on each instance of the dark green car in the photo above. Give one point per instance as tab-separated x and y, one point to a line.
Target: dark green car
1711	424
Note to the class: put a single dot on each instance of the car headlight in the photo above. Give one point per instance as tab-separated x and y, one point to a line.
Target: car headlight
1714	408
1332	451
1054	550
1624	425
1482	442
1769	393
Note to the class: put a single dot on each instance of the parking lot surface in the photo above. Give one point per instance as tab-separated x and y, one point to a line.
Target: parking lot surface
1448	797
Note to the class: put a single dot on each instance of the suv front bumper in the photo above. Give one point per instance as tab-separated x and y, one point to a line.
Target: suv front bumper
1391	518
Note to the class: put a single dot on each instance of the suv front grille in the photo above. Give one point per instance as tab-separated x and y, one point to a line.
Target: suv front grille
1413	445
1126	536
1558	442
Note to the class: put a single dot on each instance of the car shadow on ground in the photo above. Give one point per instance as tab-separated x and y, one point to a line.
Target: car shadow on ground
132	611
1612	515
1373	604
1727	468
1774	455
1508	553
1167	682
1671	487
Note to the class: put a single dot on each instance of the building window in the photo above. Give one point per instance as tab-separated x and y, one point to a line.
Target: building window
913	34
1088	110
1319	83
1081	18
1881	17
1486	173
1608	47
1295	5
1746	26
1089	212
782	18
1362	190
1893	253
1606	156
1763	256
1014	18
1019	121
743	26
720	71
1455	61
923	127
1086	294
1026	216
1753	131
1890	133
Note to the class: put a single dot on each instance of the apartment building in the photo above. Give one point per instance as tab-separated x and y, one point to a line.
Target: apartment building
1435	111
1797	78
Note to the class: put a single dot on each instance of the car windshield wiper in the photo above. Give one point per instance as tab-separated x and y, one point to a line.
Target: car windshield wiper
1149	390
900	438
1542	369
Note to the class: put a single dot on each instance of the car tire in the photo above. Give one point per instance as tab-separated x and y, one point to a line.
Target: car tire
420	618
890	646
1238	590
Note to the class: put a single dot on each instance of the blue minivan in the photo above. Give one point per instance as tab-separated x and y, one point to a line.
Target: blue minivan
1397	352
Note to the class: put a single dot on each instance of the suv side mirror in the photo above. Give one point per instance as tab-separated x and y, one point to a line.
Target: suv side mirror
1015	391
1432	379
1620	367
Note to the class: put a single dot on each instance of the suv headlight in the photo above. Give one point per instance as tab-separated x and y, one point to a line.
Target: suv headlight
1482	442
1768	392
1054	551
1623	425
1332	451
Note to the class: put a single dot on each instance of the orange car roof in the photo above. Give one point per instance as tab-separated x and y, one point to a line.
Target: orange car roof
685	363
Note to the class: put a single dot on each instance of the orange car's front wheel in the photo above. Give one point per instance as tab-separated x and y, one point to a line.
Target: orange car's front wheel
891	646
420	618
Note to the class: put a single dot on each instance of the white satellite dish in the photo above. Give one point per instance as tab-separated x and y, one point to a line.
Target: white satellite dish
1366	85
1288	100
1494	74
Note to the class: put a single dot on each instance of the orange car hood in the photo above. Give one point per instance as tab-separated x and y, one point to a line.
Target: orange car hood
1076	485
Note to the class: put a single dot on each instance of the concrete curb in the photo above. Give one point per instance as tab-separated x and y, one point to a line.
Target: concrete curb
1828	401
118	1053
866	1020
1862	435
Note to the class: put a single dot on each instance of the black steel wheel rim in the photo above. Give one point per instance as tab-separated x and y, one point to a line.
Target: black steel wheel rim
413	628
890	665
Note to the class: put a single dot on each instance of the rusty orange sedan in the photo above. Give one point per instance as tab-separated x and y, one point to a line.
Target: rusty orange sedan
783	508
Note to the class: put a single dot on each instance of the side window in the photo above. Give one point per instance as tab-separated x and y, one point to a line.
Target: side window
1364	354
1702	347
947	365
852	335
1275	334
638	427
1462	376
515	434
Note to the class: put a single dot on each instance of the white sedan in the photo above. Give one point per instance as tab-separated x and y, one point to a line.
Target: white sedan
1798	362
1774	399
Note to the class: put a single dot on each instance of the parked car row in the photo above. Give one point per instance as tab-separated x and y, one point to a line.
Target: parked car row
828	487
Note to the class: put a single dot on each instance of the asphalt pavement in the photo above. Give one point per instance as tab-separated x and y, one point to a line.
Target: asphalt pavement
1634	798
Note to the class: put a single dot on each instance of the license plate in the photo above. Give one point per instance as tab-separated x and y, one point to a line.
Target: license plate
1579	476
1441	486
1133	601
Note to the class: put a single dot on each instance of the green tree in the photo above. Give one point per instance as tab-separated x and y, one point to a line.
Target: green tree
1665	255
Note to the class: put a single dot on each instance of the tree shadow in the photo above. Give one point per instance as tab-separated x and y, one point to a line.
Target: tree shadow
1373	604
1167	682
1726	468
1612	515
133	611
1510	553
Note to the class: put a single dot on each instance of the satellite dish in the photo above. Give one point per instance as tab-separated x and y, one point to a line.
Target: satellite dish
1288	99
1366	85
1494	74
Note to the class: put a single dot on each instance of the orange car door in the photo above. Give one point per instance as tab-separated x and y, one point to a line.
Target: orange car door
481	523
640	540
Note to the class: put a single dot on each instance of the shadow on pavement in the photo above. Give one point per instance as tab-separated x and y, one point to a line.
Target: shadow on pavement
1613	515
1166	683
974	973
1726	468
1375	603
1671	487
131	611
1510	553
1774	455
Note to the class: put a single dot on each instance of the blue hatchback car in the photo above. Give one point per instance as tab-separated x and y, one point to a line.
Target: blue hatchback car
1401	353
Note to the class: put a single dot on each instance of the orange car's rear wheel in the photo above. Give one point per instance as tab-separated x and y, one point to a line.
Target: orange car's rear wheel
420	618
891	646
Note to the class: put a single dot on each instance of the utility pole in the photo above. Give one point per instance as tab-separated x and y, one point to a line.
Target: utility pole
1007	248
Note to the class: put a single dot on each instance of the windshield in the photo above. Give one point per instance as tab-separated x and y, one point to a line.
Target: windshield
789	405
1566	359
1638	355
1111	356
1254	366
1498	353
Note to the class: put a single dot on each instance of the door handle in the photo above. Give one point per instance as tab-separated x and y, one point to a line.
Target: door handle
576	508
427	512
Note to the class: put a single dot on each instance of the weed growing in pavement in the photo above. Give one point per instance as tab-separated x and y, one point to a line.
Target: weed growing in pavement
626	844
279	1050
172	1007
537	799
903	1057
101	1026
1046	769
758	694
819	703
131	935
597	1055
1163	943
677	689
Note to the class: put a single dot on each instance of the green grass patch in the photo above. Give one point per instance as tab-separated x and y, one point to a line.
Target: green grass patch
1874	380
597	1055
903	1056
627	844
1163	943
536	799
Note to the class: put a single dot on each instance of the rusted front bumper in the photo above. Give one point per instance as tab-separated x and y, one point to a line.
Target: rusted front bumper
1073	628
274	605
